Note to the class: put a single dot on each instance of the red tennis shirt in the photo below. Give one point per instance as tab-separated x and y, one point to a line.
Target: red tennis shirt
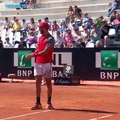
42	42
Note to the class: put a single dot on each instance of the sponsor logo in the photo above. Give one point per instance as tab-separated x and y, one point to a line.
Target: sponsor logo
68	69
23	65
108	60
108	63
62	58
61	61
21	62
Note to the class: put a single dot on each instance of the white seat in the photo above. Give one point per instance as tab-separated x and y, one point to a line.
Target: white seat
112	32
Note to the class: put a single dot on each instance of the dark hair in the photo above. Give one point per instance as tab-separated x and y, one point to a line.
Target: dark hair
23	20
46	18
39	20
7	38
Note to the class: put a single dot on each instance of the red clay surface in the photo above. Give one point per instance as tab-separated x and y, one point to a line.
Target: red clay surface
84	102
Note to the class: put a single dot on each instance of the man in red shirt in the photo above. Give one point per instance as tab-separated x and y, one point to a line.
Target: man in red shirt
43	64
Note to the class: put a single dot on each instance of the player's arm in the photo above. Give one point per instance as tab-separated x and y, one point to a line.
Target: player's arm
29	56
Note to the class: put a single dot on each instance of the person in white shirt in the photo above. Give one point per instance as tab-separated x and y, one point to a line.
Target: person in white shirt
7	24
59	40
7	43
24	25
24	28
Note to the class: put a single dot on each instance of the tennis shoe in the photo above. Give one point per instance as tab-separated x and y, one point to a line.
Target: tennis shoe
49	107
37	107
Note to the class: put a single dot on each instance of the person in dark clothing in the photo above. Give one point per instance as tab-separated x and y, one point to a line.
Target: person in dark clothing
22	43
77	11
104	32
113	17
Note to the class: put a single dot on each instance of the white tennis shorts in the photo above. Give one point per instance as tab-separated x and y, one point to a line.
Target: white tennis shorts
43	69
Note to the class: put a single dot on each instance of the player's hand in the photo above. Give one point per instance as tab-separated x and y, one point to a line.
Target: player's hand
29	56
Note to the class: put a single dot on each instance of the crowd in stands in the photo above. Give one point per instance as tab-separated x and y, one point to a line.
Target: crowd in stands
77	30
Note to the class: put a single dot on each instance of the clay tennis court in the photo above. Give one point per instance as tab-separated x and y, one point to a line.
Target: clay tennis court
83	102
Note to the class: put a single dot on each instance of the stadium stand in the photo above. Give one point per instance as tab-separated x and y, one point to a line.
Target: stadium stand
57	10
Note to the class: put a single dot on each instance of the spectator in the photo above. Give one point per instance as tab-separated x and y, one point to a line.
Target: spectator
54	28
73	26
104	32
112	7
77	11
113	17
63	27
7	24
69	39
85	18
85	35
16	26
59	40
78	21
95	36
31	39
39	21
32	27
13	21
77	36
22	43
90	24
24	25
70	13
37	29
46	19
71	22
98	21
7	43
116	23
24	28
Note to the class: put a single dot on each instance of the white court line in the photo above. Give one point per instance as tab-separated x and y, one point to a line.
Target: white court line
24	115
102	117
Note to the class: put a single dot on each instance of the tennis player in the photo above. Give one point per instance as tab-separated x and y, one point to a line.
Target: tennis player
43	64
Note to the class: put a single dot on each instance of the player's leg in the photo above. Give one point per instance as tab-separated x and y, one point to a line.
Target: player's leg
38	76
38	88
49	93
48	76
38	93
